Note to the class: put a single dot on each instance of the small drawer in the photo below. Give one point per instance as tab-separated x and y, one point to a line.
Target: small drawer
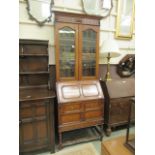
26	113
70	108
25	104
93	114
71	118
93	105
25	110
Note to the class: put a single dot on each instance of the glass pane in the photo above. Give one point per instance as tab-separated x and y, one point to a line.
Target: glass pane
89	53
67	52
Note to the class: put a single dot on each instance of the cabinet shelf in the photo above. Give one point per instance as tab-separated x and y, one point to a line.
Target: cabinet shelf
34	72
38	55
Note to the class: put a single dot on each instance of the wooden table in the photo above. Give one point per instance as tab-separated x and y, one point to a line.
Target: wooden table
115	147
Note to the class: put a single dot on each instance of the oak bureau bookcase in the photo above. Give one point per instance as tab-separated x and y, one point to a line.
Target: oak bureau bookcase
79	94
36	100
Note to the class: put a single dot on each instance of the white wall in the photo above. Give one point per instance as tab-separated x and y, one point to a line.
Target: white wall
28	29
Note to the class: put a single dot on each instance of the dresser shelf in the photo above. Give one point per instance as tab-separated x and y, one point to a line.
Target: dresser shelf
36	72
33	55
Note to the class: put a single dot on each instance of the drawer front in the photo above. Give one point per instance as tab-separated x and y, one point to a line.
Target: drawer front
119	110
33	109
70	108
93	105
26	110
71	118
93	115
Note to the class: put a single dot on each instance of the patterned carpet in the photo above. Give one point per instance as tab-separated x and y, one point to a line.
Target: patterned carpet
83	149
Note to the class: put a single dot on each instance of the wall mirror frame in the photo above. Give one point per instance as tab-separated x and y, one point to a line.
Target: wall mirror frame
40	10
125	19
98	7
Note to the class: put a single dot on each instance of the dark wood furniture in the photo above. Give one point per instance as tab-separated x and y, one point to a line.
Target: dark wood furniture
80	105
117	101
130	136
36	100
77	46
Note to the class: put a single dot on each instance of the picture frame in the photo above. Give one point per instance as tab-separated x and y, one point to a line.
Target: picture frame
125	19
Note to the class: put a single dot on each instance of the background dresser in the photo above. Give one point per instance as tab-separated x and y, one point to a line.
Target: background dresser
36	100
117	101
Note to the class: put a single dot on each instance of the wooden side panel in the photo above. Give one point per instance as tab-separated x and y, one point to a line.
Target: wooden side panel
119	110
42	132
28	134
34	125
33	79
31	64
33	49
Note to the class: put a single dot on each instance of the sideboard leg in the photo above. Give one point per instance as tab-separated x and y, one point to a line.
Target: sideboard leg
60	140
108	131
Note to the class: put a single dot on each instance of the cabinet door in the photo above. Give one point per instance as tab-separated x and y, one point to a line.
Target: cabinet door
119	110
88	50
66	51
34	126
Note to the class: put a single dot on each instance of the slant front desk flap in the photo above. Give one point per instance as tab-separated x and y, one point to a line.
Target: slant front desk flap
78	91
121	88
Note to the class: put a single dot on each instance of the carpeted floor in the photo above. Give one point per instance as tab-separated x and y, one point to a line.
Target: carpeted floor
81	149
91	148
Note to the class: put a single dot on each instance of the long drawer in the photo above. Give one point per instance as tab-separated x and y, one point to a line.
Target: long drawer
73	113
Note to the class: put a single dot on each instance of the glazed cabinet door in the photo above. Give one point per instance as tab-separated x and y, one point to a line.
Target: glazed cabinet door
34	125
88	51
66	35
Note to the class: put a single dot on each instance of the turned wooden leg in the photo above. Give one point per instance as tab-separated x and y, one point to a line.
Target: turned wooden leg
60	140
108	131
